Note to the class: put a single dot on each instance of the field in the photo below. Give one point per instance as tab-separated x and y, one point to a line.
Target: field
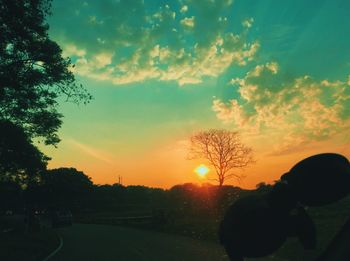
204	226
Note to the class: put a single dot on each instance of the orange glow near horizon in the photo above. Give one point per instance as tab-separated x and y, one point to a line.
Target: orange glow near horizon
166	165
160	80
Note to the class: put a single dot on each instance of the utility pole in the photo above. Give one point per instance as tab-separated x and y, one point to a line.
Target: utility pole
120	180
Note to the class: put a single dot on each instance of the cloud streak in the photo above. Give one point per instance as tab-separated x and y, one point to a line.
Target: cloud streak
96	154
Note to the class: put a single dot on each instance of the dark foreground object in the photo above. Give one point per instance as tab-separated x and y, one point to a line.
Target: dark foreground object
257	226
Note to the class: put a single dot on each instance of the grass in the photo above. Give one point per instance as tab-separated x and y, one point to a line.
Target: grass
19	246
328	220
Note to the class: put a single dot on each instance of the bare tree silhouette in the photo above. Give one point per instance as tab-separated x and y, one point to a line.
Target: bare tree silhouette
223	150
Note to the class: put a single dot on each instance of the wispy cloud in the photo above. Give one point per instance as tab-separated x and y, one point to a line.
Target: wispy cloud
93	152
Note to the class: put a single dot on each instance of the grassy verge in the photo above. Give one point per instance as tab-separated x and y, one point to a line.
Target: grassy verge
328	220
16	246
202	228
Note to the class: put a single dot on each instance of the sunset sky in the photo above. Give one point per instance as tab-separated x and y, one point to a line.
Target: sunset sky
276	71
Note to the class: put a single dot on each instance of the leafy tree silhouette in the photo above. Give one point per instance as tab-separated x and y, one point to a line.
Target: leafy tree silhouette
33	73
20	160
62	187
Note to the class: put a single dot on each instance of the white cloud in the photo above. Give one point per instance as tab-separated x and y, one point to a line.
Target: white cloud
156	45
137	76
297	110
73	50
103	59
248	22
164	14
188	22
183	66
184	9
229	113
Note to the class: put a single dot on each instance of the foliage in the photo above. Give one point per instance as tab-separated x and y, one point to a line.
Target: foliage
10	195
33	73
263	187
123	199
20	160
224	150
61	187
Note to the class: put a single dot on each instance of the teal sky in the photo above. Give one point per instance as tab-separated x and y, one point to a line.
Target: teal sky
276	71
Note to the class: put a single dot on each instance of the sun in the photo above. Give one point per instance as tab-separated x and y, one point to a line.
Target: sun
201	170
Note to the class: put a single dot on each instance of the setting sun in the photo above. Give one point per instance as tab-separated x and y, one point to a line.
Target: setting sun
202	170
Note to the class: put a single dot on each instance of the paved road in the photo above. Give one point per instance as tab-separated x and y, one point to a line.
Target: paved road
109	243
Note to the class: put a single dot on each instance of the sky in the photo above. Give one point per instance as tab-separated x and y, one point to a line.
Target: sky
278	72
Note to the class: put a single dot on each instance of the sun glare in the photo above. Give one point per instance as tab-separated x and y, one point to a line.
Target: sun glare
202	170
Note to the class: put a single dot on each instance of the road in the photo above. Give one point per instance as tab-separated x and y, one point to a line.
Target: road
108	243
